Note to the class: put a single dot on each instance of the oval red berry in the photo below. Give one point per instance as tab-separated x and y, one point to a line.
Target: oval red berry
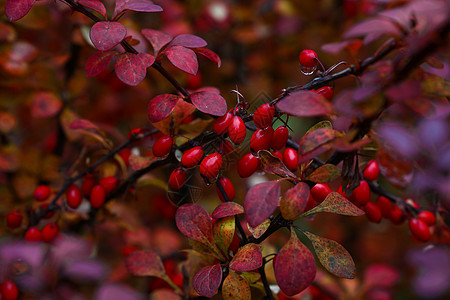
326	92
192	157
308	58
14	219
290	159
177	179
372	171
33	234
41	193
361	194
279	138
373	212
237	130
211	165
73	196
228	187
49	232
320	191
9	290
162	146
263	116
261	139
419	229
109	183
221	124
248	165
428	217
98	196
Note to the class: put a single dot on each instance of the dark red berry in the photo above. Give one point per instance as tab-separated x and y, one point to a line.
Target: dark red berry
310	204
41	193
221	124
109	183
227	147
192	157
263	115
14	219
237	130
88	183
419	229
279	138
135	132
320	191
228	187
97	196
9	290
125	156
177	179
278	154
127	250
290	159
385	206
428	217
361	194
194	81
73	196
326	92
248	165
33	234
49	232
397	215
373	212
211	165
372	171
308	58
234	246
261	139
162	146
49	214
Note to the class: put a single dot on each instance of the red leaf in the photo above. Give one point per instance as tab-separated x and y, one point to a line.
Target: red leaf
227	209
260	202
17	9
145	263
157	39
106	35
161	107
132	68
338	204
248	258
194	222
314	142
274	165
98	62
305	104
373	27
294	201
96	5
212	56
45	104
207	281
209	103
334	48
83	124
135	5
189	41
295	267
183	58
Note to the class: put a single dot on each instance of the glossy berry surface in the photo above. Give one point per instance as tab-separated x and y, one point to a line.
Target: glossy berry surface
248	165
109	183
211	165
372	171
428	217
9	290
162	146
14	219
361	194
228	187
33	234
237	130
177	179
278	154
97	196
221	124
263	115
279	138
49	232
419	229
261	139
73	196
326	92
290	158
41	193
192	157
373	212
385	206
397	216
308	58
88	184
320	191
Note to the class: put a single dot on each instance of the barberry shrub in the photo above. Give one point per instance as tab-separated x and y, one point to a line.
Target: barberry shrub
116	120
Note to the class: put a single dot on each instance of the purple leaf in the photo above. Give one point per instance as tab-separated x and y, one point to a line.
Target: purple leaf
161	107
227	209
183	58
131	68
157	39
135	5
373	26
17	9
85	270
305	104
98	62
209	103
212	56
261	201
399	138
189	41
106	35
96	5
207	281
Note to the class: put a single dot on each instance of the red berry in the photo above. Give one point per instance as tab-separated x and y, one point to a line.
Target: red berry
221	124
412	203
33	234
211	165
227	147
308	58
109	183
427	217
49	232
14	219
361	194
194	81
326	92
290	158
162	146
125	156
237	130
73	196
419	229
310	204
248	165
385	206
228	187
373	212
41	193
279	138
48	215
135	131
320	191
278	154
261	138
192	157
9	290
97	196
234	246
177	179
397	215
263	115
372	171
88	183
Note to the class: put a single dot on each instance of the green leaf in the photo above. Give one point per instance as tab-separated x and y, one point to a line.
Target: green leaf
335	203
223	233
